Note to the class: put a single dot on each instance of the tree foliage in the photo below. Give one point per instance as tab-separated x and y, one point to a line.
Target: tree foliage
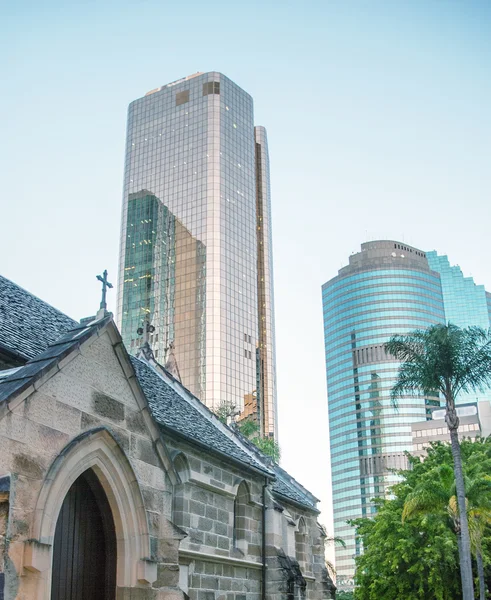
442	359
410	546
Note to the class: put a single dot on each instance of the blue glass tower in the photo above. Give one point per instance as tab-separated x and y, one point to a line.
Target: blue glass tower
388	288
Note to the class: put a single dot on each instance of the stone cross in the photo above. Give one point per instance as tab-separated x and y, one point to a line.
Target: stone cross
105	284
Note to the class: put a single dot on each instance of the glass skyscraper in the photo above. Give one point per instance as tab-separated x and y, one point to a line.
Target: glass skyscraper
195	254
388	288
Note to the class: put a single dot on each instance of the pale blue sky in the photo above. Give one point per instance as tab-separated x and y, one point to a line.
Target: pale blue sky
378	116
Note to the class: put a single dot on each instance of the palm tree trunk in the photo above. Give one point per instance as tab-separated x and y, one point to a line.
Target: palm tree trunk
480	572
465	545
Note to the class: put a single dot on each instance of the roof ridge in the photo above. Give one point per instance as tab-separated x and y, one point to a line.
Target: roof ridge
191	399
297	483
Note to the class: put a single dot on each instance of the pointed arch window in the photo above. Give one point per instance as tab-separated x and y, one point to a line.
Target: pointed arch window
242	516
301	543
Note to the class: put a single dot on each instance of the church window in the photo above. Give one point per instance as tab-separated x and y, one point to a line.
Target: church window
301	543
241	517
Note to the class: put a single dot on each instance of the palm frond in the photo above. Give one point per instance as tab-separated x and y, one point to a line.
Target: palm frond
443	359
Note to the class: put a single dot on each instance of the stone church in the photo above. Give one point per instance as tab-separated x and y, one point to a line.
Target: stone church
116	483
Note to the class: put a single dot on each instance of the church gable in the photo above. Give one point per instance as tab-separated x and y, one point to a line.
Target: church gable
77	408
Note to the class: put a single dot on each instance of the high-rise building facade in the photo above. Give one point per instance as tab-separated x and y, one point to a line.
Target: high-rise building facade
388	288
195	254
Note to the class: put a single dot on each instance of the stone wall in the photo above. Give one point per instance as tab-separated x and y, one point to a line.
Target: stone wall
217	581
295	554
219	507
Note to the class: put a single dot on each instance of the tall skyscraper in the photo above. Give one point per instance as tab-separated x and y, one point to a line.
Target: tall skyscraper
195	255
388	288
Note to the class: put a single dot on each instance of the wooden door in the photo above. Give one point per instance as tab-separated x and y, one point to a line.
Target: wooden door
84	552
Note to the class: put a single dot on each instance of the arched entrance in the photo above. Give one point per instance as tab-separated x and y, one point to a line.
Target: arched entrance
84	550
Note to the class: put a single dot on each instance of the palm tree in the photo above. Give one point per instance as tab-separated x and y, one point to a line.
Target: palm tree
446	360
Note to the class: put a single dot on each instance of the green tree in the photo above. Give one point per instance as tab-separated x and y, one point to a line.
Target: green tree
226	412
410	547
446	360
411	560
479	518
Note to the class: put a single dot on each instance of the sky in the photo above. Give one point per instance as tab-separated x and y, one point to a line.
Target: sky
379	127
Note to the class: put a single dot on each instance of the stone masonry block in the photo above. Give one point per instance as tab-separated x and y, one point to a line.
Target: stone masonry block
225	584
197	508
211	540
205	524
107	407
143	450
209	582
29	466
168	576
67	418
46	439
211	512
136	423
40	408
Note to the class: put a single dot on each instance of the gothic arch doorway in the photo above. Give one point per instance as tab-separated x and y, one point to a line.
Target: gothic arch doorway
84	549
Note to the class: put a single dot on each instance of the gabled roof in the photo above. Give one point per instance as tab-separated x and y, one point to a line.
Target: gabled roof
284	485
27	324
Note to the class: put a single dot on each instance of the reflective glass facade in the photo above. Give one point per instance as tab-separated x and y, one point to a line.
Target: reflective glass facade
195	256
388	288
465	303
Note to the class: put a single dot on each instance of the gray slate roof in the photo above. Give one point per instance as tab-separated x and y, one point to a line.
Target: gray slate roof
174	412
27	324
285	485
